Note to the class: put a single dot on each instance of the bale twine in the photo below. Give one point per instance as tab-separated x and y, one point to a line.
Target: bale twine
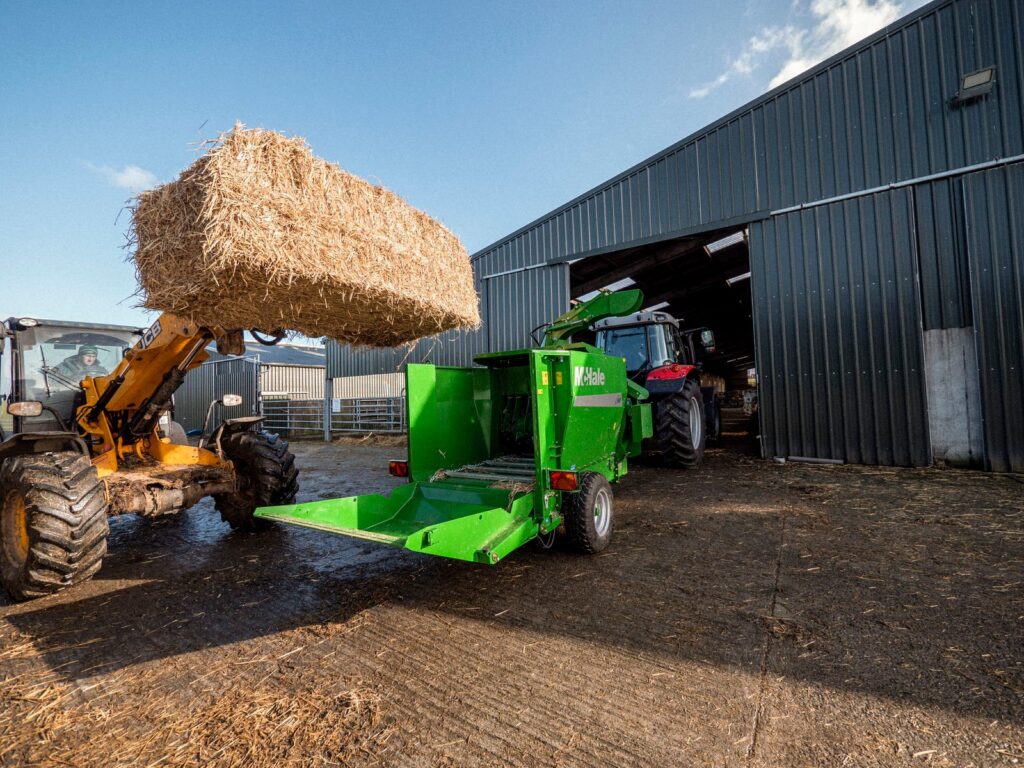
259	233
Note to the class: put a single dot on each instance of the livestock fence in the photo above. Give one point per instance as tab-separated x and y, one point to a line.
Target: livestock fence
305	418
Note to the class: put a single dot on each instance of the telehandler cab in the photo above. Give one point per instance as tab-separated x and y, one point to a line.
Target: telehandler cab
81	439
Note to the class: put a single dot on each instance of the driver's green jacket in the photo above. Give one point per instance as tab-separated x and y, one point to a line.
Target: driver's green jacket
73	368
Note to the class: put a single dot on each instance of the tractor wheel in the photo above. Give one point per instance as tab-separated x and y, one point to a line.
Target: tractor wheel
266	474
589	514
679	428
53	523
713	419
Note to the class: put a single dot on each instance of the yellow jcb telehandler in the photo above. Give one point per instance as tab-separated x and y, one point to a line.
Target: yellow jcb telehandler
82	439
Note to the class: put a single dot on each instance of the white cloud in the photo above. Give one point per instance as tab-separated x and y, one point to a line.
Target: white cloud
793	67
832	26
750	58
131	177
843	22
702	91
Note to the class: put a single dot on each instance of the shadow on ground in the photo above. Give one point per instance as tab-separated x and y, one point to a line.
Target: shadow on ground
903	584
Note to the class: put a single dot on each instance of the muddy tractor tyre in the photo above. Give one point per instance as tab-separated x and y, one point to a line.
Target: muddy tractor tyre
589	514
267	476
679	427
713	419
53	523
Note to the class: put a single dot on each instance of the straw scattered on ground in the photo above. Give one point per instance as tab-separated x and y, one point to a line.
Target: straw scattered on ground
133	718
260	233
373	438
269	726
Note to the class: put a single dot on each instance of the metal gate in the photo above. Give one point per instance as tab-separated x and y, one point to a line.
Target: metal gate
305	418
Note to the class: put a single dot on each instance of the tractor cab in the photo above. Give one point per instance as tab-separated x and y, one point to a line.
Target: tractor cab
650	340
667	362
48	360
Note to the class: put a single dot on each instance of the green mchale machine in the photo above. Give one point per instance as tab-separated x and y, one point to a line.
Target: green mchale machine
520	448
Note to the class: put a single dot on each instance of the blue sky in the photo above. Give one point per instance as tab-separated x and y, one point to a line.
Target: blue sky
485	115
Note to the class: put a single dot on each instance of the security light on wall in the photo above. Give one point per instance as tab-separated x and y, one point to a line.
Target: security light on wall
974	85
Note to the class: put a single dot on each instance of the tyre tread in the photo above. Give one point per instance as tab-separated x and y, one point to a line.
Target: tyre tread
267	468
672	438
67	521
578	515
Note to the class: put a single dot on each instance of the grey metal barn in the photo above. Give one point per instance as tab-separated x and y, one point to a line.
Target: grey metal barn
257	382
290	397
880	201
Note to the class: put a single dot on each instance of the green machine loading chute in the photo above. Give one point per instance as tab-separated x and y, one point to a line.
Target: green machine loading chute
586	313
500	453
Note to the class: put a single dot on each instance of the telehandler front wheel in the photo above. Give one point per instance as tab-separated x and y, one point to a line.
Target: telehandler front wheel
588	514
266	474
53	523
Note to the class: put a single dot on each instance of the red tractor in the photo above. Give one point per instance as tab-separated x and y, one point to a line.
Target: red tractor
664	360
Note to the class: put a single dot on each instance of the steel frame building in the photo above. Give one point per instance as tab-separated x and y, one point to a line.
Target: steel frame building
880	197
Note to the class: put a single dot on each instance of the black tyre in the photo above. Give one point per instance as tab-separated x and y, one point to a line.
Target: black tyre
713	419
53	523
266	473
589	514
679	428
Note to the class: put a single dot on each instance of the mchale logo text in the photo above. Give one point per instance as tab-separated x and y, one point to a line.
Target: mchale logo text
588	376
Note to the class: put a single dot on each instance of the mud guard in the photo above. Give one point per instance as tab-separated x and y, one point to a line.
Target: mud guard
42	442
670	379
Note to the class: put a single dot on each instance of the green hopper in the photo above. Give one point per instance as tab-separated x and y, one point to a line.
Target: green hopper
518	448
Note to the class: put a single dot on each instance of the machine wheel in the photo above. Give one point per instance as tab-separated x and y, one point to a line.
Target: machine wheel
589	514
679	428
713	419
53	523
266	476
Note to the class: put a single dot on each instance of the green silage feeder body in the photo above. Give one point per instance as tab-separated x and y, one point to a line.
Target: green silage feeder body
483	444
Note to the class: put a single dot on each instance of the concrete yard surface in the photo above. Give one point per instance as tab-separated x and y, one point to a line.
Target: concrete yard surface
745	614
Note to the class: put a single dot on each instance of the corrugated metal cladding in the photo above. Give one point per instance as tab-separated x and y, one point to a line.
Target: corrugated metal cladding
845	292
373	386
942	253
299	382
510	306
451	348
345	360
519	302
246	377
872	115
211	381
838	329
995	236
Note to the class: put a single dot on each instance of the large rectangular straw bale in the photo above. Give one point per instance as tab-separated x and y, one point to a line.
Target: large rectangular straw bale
259	233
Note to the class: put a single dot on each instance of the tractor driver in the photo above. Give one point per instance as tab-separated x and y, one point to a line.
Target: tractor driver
83	364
